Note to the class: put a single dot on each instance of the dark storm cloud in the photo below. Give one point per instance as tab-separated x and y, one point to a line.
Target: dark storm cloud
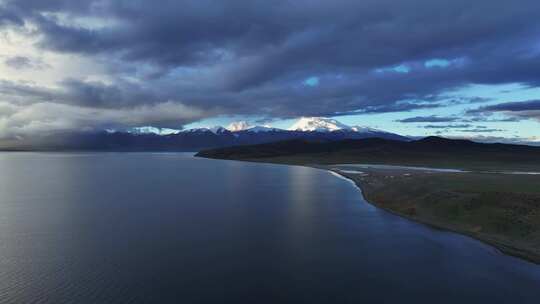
465	100
432	118
8	17
519	106
98	94
466	128
461	126
22	62
516	110
79	93
482	130
395	107
24	92
251	57
486	118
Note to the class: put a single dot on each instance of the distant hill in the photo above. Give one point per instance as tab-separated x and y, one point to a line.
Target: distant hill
430	151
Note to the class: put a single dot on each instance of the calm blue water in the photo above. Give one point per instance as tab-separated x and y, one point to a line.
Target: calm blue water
169	228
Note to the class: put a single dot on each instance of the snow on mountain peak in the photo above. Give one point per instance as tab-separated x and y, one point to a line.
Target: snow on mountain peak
239	126
363	129
153	130
245	126
264	128
304	124
218	130
320	124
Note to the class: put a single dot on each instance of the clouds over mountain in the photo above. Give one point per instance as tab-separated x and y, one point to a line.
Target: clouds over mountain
47	118
253	57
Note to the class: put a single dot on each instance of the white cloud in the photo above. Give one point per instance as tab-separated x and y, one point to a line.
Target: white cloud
46	117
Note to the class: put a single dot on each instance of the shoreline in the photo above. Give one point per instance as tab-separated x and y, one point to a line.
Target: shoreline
498	245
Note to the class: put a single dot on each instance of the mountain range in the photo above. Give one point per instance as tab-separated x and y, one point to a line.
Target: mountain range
238	133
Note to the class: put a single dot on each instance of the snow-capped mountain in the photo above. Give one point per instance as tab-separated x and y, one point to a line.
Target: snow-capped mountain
239	126
322	124
219	130
154	130
367	130
318	124
238	133
215	130
258	129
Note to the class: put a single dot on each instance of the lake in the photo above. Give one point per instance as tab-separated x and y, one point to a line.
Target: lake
171	228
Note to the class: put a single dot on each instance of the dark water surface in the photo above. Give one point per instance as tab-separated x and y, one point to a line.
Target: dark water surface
169	228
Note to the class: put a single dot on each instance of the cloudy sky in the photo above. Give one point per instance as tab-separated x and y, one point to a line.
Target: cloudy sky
416	67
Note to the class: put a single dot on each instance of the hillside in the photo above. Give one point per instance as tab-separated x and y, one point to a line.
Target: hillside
430	151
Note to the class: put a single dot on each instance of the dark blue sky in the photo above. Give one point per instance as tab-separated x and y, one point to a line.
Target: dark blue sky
417	67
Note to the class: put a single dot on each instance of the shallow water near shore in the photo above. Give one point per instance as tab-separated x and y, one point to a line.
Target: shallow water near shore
171	228
394	167
344	167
